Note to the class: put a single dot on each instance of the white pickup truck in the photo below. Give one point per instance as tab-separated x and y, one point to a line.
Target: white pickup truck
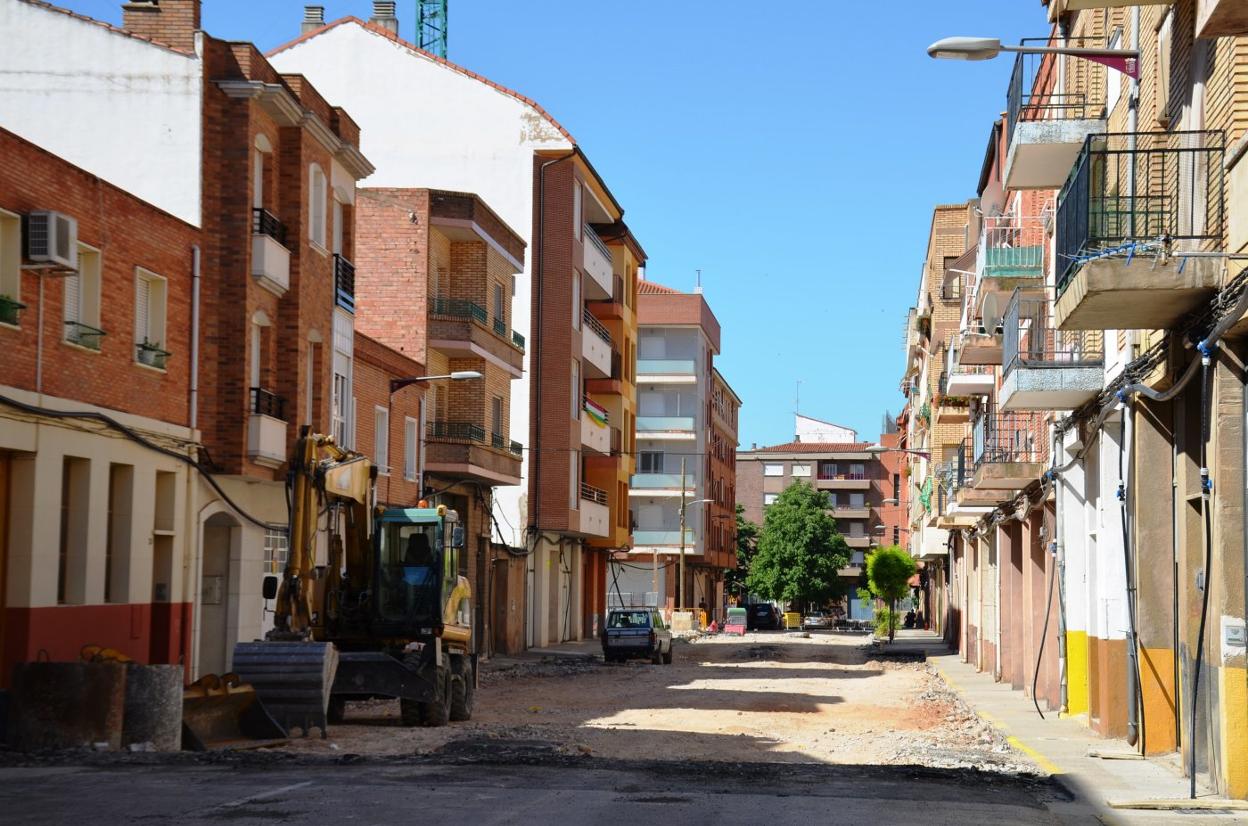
636	633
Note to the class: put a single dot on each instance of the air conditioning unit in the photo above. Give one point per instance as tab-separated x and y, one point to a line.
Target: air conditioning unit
52	238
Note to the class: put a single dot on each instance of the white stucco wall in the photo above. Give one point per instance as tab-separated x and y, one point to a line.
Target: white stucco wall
813	430
118	107
424	124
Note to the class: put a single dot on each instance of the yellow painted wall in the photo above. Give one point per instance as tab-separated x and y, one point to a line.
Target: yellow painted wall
1233	699
1076	672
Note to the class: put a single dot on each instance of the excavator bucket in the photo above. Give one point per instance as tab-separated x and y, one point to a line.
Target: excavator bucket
293	680
223	712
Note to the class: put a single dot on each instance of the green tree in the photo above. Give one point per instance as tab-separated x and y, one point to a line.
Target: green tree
747	546
799	549
888	575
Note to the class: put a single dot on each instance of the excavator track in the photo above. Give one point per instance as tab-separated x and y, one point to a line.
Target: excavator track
292	679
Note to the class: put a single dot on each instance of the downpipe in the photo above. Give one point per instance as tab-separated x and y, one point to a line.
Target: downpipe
1133	652
1206	487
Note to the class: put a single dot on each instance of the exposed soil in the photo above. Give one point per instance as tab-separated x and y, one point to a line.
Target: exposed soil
764	698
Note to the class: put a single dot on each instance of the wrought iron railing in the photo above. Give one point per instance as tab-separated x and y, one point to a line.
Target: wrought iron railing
517	341
1029	339
344	283
1050	86
592	322
264	222
1006	438
500	327
1132	193
84	335
454	431
267	403
516	448
497	441
593	494
459	308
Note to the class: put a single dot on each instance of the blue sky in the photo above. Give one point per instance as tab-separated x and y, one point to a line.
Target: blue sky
792	153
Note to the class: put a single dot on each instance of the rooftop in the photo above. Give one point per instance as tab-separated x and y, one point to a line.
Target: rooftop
812	447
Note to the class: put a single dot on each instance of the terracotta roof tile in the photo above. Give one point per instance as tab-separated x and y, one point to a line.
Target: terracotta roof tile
651	288
389	35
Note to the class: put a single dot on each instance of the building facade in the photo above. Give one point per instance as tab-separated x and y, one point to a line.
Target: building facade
1109	239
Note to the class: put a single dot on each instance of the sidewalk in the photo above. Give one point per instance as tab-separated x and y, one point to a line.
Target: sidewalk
1062	748
581	649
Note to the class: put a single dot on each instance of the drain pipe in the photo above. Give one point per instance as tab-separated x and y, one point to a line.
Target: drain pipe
1206	485
1133	651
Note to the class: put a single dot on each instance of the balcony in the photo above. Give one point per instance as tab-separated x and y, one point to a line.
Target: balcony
598	267
1221	18
858	541
1047	369
595	511
465	450
1059	7
959	504
842	481
666	371
266	428
270	259
663	539
344	283
659	484
1051	109
669	428
463	329
1009	450
1133	205
595	347
595	428
851	513
1011	255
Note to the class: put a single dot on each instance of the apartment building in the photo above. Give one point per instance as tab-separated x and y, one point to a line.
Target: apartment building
509	151
96	498
686	418
852	477
266	169
1100	331
434	282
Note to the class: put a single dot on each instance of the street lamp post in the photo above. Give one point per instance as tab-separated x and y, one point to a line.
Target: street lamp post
398	384
680	577
1126	61
876	450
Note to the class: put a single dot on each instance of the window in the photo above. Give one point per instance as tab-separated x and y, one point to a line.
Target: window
10	256
409	448
857	529
650	461
496	419
832	500
897	487
342	419
257	179
1164	40
800	470
770	498
857	500
896	535
149	316
576	389
381	439
317	196
577	223
500	304
577	310
339	408
118	532
773	469
276	549
82	300
337	228
857	471
827	470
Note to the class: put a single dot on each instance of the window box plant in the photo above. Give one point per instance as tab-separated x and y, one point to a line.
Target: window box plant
10	310
150	354
84	335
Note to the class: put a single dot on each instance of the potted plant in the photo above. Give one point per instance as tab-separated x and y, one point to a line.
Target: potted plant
10	309
150	354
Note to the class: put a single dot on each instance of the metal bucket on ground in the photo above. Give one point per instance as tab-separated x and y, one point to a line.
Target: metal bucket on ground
223	712
293	679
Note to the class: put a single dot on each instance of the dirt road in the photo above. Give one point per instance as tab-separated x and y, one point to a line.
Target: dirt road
767	697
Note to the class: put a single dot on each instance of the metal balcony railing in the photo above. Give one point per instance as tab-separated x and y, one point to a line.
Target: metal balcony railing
592	494
592	322
593	238
267	403
516	448
1055	87
1030	340
1006	438
1012	245
459	308
500	327
497	441
84	335
517	341
264	222
442	430
1129	192
344	283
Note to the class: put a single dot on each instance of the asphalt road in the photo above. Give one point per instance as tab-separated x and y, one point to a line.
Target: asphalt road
523	788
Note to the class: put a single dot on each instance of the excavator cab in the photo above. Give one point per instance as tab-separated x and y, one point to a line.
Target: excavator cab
415	556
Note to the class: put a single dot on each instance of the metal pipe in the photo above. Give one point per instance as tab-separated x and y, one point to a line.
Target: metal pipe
193	415
1133	653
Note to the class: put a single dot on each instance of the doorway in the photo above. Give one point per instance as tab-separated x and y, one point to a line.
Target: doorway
222	534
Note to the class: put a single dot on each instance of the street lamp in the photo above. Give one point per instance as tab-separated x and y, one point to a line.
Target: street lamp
459	375
986	48
876	450
680	581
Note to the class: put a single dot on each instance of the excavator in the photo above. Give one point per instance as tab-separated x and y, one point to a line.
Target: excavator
387	615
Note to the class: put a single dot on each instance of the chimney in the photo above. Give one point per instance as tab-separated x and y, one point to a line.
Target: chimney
313	19
171	22
383	15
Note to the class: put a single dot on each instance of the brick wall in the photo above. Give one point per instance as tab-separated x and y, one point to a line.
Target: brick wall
375	366
172	22
391	269
128	233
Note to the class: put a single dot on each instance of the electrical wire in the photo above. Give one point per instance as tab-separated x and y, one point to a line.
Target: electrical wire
108	421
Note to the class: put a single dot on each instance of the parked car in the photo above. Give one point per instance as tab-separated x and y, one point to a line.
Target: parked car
636	633
817	619
763	616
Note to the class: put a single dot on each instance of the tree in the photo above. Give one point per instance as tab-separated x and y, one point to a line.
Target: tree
747	546
799	549
888	574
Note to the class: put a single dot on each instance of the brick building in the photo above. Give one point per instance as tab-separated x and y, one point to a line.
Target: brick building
97	522
447	260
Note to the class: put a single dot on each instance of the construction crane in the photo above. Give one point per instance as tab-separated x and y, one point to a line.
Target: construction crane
431	26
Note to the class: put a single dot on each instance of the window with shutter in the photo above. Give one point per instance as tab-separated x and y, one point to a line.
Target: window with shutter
409	449
142	308
73	303
381	439
316	209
